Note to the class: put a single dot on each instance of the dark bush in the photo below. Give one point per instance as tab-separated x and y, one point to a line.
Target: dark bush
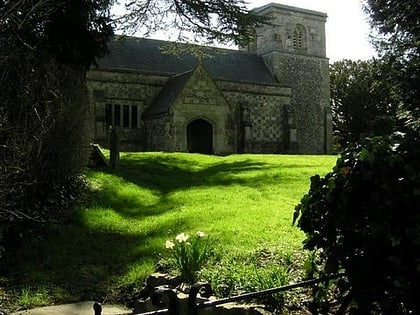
364	218
44	140
46	49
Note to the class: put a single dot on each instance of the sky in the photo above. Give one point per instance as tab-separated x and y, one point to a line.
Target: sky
347	29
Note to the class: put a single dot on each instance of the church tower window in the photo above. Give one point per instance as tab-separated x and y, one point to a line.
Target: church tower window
299	38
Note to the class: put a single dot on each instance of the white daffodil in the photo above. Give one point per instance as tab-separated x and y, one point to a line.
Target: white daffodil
181	238
169	244
200	234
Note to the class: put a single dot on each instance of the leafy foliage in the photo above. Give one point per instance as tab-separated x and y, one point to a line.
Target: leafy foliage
363	216
46	48
220	20
72	31
363	101
398	19
44	143
398	42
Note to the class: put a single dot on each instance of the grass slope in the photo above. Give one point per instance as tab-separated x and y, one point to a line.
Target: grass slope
114	240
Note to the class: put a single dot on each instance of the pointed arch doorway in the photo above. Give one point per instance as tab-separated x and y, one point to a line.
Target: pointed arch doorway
200	137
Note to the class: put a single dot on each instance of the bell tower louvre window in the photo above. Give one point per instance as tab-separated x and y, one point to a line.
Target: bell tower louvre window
299	38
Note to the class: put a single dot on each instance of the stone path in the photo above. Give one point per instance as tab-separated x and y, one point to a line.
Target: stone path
82	308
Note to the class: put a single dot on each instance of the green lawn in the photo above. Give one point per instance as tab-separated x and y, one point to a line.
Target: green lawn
114	240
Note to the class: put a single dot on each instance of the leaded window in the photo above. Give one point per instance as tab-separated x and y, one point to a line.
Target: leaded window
125	116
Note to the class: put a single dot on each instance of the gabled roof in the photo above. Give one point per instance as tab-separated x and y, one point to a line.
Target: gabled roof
167	95
146	56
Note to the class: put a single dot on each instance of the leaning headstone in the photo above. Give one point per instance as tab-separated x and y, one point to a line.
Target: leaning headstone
114	147
97	158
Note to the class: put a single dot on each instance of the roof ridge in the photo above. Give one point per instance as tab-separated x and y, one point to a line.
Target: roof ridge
145	56
215	48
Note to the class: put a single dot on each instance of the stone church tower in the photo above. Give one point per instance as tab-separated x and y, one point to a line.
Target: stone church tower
294	50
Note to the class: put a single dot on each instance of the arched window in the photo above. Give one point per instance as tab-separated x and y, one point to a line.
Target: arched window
299	37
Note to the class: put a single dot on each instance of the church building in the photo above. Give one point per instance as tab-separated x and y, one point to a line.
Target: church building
269	97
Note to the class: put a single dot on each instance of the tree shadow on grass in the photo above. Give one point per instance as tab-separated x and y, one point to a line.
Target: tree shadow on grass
144	203
168	173
157	176
164	174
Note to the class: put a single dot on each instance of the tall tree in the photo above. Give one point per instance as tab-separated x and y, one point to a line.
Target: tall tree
397	23
362	100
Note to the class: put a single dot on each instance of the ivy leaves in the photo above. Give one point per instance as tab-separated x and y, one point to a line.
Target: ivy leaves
363	218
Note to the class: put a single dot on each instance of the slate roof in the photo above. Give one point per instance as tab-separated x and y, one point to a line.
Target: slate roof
145	56
167	95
